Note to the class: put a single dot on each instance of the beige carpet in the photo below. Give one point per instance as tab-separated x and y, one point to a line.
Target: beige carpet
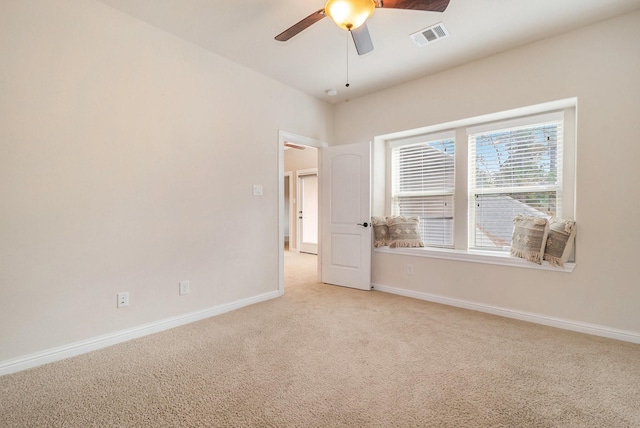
324	356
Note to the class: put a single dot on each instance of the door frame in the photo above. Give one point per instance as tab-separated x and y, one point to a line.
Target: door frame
299	201
284	136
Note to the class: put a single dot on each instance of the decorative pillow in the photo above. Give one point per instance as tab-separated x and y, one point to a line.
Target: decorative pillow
560	241
380	232
404	232
529	237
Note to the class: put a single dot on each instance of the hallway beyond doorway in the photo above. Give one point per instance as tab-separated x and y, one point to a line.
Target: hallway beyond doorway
299	269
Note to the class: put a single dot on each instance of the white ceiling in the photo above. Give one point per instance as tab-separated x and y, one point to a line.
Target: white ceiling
316	59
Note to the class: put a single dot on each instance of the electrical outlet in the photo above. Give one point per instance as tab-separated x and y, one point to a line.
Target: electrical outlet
409	269
123	299
184	288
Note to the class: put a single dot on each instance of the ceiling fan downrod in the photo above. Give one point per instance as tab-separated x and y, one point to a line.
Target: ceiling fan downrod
347	44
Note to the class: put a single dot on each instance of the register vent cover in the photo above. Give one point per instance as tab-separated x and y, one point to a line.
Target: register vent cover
429	34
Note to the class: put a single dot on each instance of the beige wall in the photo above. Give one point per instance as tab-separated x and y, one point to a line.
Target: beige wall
294	161
120	148
600	66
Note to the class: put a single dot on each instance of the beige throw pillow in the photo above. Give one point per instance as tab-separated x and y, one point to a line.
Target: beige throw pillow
529	237
381	236
559	241
404	231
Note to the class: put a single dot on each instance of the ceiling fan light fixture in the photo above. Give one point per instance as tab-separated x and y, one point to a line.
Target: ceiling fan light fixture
349	14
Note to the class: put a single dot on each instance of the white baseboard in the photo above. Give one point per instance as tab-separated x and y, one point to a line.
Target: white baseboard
78	348
594	329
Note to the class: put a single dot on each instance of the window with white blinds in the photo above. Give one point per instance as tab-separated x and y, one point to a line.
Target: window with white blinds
515	162
423	185
515	167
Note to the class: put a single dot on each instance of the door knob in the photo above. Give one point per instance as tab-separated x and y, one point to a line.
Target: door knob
365	224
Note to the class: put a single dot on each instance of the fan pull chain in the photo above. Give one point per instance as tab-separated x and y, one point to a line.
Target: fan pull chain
347	45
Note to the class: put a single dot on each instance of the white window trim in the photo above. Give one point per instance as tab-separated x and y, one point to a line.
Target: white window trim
528	120
381	200
422	138
475	256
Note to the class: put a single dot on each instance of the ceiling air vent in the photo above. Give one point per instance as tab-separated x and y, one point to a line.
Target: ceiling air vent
429	35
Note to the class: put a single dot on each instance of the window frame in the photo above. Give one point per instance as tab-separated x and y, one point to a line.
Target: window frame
417	141
527	122
382	170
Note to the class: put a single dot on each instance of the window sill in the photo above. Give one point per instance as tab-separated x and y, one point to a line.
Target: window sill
501	259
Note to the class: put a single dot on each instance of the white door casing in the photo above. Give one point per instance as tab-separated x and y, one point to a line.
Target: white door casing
345	210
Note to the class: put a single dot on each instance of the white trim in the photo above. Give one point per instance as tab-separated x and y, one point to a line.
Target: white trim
304	172
300	140
422	139
485	257
95	343
517	122
594	329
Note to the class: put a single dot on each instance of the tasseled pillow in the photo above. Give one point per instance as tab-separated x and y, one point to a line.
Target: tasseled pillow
560	241
381	236
404	231
529	238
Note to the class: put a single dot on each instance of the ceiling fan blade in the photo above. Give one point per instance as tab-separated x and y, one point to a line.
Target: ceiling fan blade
428	5
362	39
302	25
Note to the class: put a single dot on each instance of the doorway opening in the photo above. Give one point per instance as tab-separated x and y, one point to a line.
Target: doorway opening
299	203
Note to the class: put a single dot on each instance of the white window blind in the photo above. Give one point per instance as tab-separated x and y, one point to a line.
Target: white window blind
514	168
423	186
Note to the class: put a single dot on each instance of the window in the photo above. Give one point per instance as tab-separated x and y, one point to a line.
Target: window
467	180
514	168
423	186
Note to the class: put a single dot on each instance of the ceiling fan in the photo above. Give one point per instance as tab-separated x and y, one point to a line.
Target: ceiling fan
351	15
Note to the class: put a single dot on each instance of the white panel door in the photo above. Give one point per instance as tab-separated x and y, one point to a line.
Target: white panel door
346	231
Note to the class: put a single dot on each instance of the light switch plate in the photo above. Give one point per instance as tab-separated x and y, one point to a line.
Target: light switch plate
257	190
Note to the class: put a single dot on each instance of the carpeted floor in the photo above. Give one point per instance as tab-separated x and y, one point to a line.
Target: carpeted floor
325	356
